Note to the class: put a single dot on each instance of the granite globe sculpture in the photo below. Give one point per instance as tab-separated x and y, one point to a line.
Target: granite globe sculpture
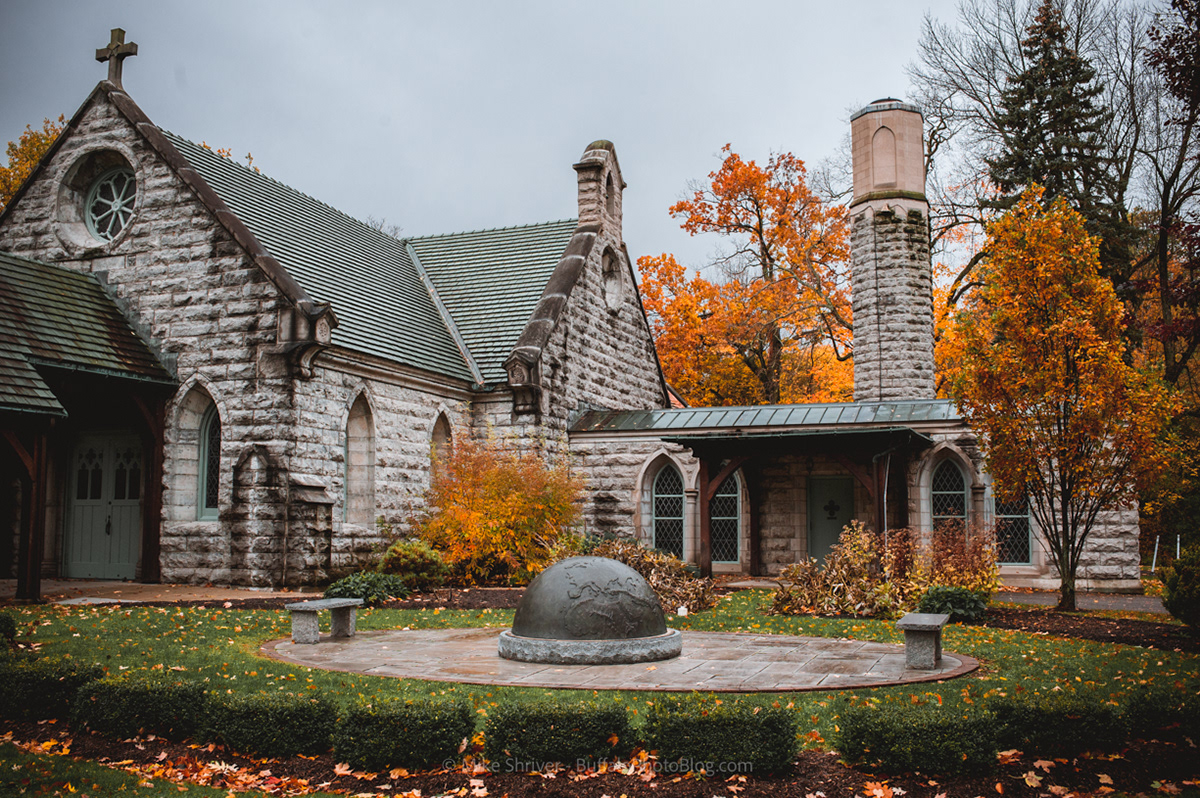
589	611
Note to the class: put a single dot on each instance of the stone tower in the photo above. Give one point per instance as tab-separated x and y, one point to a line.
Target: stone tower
891	274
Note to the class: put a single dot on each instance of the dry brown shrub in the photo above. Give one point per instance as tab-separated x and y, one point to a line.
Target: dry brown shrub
852	582
668	575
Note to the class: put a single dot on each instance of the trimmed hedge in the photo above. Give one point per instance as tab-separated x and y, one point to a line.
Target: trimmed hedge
696	733
1059	724
8	629
403	733
140	704
529	734
36	689
960	603
272	725
927	738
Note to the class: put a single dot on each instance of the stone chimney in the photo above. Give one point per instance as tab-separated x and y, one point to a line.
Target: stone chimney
891	275
600	187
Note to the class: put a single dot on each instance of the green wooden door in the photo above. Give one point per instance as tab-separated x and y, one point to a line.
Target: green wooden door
830	507
104	519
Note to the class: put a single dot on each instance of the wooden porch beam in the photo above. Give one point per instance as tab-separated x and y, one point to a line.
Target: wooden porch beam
22	453
864	477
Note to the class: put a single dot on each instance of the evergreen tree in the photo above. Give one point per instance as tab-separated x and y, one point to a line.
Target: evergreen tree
1051	135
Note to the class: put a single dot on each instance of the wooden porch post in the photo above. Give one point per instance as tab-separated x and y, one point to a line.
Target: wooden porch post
704	556
752	492
33	517
154	413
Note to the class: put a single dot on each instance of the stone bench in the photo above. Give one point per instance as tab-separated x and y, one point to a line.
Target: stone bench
922	639
305	622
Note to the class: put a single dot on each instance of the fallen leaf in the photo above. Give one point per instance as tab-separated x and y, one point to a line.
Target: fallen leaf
1044	764
1008	757
1054	788
342	769
1105	778
1033	779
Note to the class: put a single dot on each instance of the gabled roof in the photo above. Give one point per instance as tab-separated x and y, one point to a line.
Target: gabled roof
316	255
490	281
52	317
383	307
769	418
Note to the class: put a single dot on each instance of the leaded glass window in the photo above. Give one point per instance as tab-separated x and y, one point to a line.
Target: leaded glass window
668	511
110	203
1012	532
724	512
949	493
210	464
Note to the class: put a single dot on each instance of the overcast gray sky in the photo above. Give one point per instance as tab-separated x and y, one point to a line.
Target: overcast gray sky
446	116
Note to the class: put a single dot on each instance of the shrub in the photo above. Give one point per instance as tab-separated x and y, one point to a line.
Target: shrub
403	733
852	581
495	513
669	577
36	689
697	733
862	576
373	588
272	725
417	563
141	704
8	630
1181	588
565	732
959	603
1058	724
931	739
959	556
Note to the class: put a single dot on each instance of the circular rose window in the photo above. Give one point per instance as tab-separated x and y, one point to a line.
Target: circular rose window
109	204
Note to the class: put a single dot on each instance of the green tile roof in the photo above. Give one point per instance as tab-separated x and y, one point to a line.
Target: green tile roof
383	307
54	317
490	282
767	418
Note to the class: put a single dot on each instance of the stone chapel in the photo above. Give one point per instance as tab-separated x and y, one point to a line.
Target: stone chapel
208	376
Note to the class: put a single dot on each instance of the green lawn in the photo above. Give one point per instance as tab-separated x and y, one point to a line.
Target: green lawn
219	647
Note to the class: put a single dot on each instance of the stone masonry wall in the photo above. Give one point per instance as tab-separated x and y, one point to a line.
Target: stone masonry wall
403	412
893	305
194	293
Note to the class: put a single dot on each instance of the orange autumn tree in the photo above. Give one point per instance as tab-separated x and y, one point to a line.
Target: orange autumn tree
1060	414
776	326
24	154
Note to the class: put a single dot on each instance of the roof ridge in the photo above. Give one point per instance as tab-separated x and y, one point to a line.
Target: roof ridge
257	173
491	229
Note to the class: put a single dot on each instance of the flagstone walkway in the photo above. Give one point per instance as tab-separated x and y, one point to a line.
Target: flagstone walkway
711	661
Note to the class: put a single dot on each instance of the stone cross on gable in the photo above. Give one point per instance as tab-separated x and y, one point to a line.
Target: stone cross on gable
116	52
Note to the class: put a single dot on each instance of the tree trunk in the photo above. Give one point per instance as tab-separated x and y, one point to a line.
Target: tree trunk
1066	594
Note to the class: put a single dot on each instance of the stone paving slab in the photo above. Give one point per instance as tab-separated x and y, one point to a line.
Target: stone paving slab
711	661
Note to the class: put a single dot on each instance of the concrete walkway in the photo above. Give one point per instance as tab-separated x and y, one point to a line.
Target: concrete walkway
1089	601
83	591
711	661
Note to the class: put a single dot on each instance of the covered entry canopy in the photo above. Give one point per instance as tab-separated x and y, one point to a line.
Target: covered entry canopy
65	347
870	440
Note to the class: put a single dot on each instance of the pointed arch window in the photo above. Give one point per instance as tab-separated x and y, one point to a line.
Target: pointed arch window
725	521
441	440
1013	545
948	493
209	483
668	511
359	504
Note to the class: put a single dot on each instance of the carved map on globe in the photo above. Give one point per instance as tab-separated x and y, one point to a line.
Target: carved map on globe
589	598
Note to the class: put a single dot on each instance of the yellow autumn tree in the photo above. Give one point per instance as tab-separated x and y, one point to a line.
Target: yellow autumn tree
23	156
1061	416
775	326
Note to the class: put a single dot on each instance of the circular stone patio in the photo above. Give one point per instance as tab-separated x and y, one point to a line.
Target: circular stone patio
711	661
